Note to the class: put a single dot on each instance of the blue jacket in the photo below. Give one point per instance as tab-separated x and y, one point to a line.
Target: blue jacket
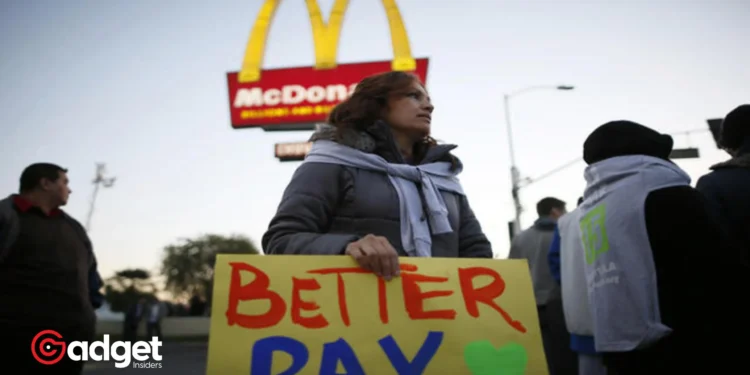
554	255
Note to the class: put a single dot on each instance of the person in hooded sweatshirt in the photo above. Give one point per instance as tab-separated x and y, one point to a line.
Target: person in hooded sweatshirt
655	270
533	244
727	186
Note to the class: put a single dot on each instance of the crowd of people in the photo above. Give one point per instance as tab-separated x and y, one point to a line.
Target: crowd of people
645	276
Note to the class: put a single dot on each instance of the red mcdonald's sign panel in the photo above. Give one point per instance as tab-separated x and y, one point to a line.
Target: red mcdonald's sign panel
298	98
299	95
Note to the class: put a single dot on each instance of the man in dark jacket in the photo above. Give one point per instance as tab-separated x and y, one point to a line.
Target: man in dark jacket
48	277
727	187
688	250
533	244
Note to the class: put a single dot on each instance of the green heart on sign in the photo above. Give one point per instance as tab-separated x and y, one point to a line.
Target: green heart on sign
483	359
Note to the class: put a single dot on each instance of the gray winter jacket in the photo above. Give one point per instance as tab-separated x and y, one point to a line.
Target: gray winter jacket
327	206
533	245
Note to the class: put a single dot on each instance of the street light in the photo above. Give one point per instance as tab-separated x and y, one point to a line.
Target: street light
515	175
99	180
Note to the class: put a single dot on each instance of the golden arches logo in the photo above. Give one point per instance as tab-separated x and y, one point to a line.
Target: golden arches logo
325	38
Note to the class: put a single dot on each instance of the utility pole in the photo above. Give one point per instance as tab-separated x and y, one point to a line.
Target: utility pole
99	180
515	174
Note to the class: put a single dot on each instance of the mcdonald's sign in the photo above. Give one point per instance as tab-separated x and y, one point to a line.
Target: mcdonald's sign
298	98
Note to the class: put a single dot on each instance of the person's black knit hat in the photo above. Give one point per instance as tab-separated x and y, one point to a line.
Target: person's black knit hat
619	138
735	127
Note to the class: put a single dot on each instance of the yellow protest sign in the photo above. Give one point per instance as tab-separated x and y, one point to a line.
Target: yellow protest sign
324	315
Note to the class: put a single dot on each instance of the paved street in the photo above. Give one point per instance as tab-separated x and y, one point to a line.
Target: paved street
184	358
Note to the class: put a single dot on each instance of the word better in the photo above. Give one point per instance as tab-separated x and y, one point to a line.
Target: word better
413	296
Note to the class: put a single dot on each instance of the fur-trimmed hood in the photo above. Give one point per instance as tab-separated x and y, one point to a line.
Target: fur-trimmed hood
378	139
352	138
741	161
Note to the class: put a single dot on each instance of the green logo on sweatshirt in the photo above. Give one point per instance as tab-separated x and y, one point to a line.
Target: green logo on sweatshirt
594	233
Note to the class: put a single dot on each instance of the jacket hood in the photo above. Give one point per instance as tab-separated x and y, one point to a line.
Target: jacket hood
545	223
605	176
741	161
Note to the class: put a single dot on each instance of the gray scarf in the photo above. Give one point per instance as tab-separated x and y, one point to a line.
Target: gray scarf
432	177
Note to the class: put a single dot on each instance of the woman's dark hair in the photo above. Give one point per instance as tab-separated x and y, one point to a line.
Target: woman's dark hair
368	102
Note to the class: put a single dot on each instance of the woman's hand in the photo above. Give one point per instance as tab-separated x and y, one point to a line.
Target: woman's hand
375	253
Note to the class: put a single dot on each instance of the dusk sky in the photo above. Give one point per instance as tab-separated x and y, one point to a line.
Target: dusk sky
142	87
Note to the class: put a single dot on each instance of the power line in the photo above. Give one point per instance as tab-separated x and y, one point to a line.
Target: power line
528	180
701	130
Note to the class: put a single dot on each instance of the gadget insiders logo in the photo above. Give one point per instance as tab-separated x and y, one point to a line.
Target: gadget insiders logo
48	348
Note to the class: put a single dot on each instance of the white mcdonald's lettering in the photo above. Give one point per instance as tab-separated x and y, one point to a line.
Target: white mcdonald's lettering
325	37
291	95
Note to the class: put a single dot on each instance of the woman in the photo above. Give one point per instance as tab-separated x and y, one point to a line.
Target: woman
376	186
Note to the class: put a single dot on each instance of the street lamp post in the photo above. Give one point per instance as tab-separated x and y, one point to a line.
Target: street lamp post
515	174
99	180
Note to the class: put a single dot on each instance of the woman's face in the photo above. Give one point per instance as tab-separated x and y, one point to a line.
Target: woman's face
410	112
